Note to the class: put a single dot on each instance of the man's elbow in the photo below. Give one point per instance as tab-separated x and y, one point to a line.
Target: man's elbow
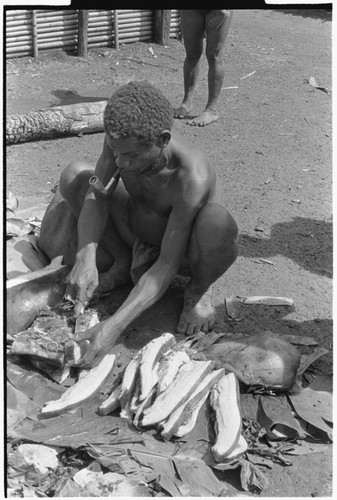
168	266
158	278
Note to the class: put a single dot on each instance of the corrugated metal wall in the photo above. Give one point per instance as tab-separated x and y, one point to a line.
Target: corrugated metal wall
19	37
57	29
135	26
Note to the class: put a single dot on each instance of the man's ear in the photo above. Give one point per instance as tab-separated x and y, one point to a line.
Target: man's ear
165	138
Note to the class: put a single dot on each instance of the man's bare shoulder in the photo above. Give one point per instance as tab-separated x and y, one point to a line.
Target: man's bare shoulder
188	154
195	172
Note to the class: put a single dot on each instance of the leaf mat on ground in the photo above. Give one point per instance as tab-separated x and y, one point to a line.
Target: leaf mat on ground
314	403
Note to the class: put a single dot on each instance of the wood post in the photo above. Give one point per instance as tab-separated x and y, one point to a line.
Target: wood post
82	42
161	26
34	33
116	37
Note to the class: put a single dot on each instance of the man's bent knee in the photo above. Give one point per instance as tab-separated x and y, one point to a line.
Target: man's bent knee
74	176
74	183
215	220
213	245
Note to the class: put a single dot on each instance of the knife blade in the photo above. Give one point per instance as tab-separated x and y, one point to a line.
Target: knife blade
79	323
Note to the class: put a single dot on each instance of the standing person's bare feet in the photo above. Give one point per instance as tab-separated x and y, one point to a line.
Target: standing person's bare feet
207	117
183	111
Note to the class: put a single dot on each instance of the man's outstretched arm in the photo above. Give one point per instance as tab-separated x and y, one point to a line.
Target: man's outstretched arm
149	289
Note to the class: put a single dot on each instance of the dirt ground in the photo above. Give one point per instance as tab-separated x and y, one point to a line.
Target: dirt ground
272	148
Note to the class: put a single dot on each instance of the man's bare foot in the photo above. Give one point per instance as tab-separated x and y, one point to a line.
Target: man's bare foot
182	111
198	314
207	117
117	275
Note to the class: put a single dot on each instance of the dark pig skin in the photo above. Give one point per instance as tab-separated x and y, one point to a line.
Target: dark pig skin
27	294
263	359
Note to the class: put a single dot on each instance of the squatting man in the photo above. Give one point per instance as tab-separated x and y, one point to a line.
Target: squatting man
163	215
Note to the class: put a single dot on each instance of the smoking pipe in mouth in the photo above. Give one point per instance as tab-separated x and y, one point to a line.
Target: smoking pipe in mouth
95	182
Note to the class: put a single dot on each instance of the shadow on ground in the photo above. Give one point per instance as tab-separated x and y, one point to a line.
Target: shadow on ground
323	14
71	97
251	319
308	242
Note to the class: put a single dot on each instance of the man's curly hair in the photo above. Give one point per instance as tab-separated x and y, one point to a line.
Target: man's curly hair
138	110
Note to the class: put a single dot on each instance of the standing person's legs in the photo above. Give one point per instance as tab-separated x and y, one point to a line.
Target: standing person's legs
192	27
215	43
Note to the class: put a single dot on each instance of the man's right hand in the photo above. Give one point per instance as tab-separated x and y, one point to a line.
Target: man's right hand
83	280
95	343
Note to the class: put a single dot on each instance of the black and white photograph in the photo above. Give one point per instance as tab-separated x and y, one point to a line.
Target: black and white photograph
168	253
